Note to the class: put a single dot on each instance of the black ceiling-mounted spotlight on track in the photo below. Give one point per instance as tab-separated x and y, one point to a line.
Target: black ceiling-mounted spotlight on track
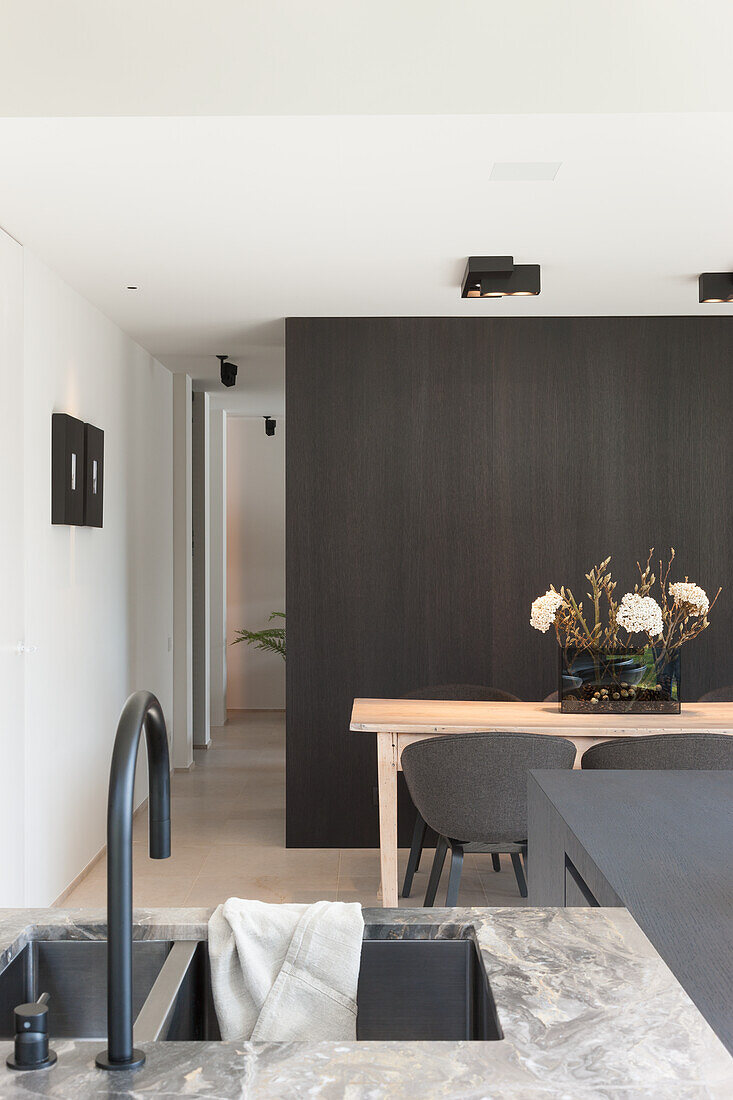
716	286
228	370
270	425
499	277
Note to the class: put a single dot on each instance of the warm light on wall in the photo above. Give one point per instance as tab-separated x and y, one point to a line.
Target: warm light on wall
499	277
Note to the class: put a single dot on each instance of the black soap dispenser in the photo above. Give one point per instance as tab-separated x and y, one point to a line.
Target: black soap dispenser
31	1037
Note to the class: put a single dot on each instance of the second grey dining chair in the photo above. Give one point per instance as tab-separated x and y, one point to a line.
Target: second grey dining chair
471	788
461	693
663	752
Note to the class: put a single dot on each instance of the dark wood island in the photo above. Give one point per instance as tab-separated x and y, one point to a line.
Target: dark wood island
659	843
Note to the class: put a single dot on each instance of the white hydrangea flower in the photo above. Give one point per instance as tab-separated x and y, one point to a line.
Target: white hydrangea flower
692	595
544	610
640	615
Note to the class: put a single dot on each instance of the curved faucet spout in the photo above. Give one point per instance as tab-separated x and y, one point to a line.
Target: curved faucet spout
141	711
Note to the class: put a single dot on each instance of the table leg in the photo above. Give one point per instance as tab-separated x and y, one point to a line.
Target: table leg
387	780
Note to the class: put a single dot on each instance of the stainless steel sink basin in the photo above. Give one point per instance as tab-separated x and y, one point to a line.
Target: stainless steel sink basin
420	989
424	990
74	974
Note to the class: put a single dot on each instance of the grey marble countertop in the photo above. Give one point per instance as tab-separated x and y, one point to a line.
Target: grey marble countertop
587	1006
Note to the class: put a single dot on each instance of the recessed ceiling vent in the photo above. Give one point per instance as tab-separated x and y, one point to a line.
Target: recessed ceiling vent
499	277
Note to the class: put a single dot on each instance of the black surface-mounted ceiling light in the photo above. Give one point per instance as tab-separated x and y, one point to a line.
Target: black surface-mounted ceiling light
270	425
716	286
499	277
228	370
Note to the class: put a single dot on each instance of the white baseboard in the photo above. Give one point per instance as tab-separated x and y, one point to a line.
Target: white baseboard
92	863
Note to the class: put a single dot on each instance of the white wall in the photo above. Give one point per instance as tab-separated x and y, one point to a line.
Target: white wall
218	564
12	621
200	499
255	557
182	574
98	603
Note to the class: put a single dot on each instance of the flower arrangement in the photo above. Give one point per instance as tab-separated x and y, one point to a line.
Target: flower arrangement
638	637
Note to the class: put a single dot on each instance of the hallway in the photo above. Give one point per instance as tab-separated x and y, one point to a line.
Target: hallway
228	838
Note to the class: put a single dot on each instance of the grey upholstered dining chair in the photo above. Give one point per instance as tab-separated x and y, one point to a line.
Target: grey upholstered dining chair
718	695
471	788
461	693
663	752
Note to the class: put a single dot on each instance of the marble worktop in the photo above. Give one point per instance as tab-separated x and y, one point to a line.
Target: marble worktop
587	1006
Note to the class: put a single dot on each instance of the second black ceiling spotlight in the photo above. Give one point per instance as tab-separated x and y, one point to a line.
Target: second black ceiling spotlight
499	277
228	370
716	286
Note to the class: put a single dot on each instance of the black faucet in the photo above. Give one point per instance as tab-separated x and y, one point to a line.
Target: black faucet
141	710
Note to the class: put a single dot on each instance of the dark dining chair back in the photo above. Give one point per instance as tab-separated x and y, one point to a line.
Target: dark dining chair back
477	693
663	752
471	788
718	695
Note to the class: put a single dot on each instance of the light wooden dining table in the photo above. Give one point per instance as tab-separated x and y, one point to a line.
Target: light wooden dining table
399	722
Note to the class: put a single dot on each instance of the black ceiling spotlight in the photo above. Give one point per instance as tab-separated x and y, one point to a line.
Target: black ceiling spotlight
228	370
270	425
499	277
716	286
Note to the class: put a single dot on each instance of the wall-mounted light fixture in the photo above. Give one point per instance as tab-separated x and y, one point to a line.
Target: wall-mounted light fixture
77	472
499	277
93	475
228	371
716	286
270	425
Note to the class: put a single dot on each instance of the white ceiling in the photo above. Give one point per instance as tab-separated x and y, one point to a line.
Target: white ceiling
229	225
267	57
337	160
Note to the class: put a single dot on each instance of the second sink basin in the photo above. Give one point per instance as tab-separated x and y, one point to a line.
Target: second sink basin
420	989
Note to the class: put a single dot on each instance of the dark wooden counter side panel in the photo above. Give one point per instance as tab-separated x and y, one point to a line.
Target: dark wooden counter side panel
660	843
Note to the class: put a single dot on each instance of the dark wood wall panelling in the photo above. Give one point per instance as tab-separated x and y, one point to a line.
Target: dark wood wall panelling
442	472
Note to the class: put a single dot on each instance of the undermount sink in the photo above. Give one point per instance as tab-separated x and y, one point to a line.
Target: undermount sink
424	989
74	974
419	989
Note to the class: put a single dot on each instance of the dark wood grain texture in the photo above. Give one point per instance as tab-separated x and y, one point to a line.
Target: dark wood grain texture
553	843
658	842
442	472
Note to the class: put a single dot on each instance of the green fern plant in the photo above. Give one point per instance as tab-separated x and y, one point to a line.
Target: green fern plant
271	639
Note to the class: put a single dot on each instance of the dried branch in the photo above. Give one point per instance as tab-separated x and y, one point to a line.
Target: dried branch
681	621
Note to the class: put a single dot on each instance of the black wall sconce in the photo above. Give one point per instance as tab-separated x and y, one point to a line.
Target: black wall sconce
270	425
67	469
499	277
77	472
716	286
93	475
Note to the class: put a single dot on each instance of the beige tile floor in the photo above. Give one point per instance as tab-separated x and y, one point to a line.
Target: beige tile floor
228	838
